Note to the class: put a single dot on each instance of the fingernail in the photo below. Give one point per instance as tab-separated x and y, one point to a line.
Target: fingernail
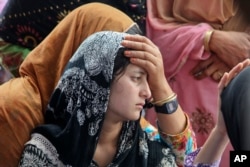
197	74
133	60
127	52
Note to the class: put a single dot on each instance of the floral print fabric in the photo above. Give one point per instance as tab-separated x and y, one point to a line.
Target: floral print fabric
77	109
183	144
27	22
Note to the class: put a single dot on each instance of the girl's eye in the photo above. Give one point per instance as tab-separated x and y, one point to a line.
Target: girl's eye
136	78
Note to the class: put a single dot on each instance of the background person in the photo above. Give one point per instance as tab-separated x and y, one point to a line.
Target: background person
23	99
199	41
96	109
235	108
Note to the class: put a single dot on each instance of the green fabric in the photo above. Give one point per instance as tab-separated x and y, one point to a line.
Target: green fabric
10	48
11	56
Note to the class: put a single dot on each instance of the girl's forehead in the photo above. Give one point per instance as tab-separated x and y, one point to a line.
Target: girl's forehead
135	68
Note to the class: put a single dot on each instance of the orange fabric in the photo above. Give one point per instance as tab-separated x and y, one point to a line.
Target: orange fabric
144	123
214	12
23	100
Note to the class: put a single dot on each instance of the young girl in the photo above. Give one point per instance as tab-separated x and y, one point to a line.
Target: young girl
24	99
93	117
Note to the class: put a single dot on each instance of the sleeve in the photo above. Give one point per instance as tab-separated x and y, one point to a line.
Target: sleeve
178	29
151	131
189	160
39	151
181	144
33	156
180	43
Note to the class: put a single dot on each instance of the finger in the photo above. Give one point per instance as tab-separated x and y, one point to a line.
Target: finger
142	59
236	69
246	63
211	69
223	82
239	67
138	42
198	71
248	36
217	75
149	68
215	70
218	71
140	38
142	63
141	55
135	45
140	46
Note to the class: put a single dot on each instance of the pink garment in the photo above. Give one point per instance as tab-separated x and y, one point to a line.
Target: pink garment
182	49
174	12
181	44
2	4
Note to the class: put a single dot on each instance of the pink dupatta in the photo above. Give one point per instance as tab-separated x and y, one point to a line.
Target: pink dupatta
177	27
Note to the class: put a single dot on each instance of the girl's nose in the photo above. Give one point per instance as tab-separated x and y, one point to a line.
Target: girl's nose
146	92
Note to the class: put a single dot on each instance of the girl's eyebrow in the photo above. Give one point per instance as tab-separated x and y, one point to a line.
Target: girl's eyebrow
140	72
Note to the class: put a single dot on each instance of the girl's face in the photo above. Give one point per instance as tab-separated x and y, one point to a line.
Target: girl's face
128	93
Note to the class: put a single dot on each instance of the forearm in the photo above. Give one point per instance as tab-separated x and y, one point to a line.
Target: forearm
179	45
230	46
182	143
213	148
170	123
235	108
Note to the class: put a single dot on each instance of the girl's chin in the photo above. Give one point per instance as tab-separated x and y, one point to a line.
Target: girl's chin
136	117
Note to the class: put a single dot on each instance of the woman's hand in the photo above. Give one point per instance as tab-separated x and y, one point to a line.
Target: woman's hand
230	46
228	49
227	77
212	67
217	141
146	54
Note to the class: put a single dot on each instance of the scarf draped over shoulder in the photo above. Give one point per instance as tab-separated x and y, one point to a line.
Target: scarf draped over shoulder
23	100
214	12
77	108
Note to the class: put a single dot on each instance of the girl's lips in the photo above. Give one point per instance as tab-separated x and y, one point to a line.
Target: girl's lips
141	105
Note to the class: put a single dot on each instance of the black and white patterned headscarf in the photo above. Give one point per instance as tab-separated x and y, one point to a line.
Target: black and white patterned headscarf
77	108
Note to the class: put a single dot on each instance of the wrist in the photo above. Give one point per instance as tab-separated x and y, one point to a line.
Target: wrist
222	132
161	92
207	40
214	40
164	100
167	105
